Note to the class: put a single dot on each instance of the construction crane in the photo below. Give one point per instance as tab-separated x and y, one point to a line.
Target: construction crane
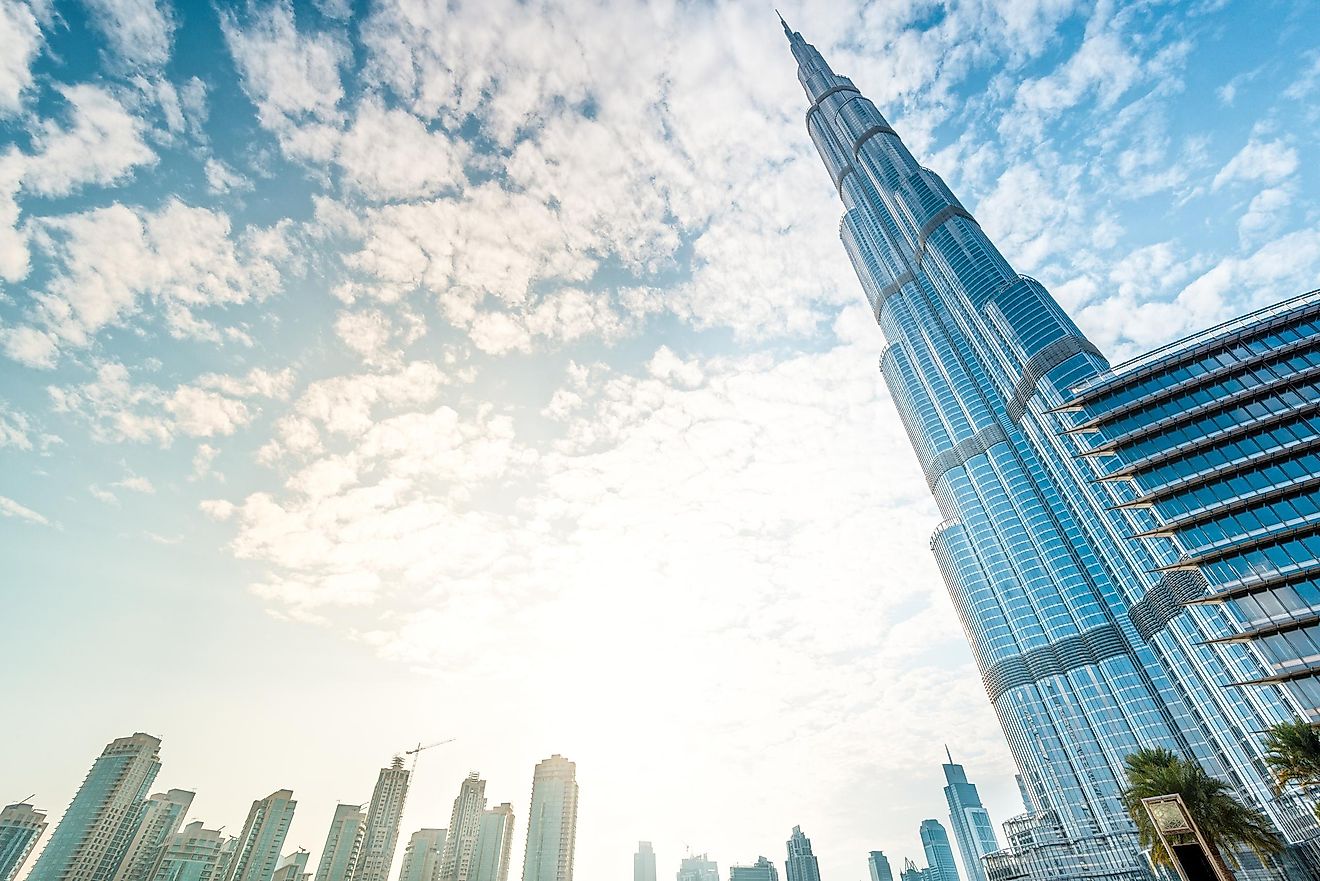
420	749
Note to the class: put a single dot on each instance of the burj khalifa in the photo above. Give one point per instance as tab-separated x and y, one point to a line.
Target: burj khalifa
1039	570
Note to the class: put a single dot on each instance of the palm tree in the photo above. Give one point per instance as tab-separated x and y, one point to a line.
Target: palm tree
1293	755
1227	824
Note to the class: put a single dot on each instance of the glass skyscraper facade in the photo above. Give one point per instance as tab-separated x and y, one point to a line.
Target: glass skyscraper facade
552	821
877	866
939	854
801	865
1210	447
1046	583
21	826
972	828
90	841
761	870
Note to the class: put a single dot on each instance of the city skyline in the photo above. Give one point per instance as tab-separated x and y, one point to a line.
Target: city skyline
358	354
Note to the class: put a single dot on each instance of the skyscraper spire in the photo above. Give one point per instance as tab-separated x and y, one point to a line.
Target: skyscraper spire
1046	584
948	754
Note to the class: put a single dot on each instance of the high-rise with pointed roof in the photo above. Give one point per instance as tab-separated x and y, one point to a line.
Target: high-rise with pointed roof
970	820
801	864
1041	572
90	841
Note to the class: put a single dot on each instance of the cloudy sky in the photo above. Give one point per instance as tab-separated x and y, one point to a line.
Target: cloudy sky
376	371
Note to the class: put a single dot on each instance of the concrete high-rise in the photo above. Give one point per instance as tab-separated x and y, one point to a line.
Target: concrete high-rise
162	815
92	836
1047	585
494	844
257	851
552	821
292	867
972	828
698	867
343	844
644	862
380	837
877	865
194	853
21	826
422	854
464	829
761	870
801	865
939	853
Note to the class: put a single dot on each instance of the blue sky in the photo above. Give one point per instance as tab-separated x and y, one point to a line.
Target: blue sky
375	372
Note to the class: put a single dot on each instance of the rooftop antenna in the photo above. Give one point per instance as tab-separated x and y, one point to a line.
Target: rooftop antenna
947	753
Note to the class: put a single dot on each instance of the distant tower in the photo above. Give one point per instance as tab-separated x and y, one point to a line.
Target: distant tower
421	857
761	870
1025	793
878	864
193	854
698	868
21	826
90	841
293	866
257	852
643	862
343	844
801	864
494	844
972	828
939	855
552	822
911	872
464	828
162	816
381	836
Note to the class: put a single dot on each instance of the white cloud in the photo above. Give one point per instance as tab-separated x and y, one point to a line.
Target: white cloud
1265	215
119	409
202	461
103	142
292	77
389	154
220	178
11	508
13	241
136	483
15	429
21	36
107	261
139	32
1266	162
